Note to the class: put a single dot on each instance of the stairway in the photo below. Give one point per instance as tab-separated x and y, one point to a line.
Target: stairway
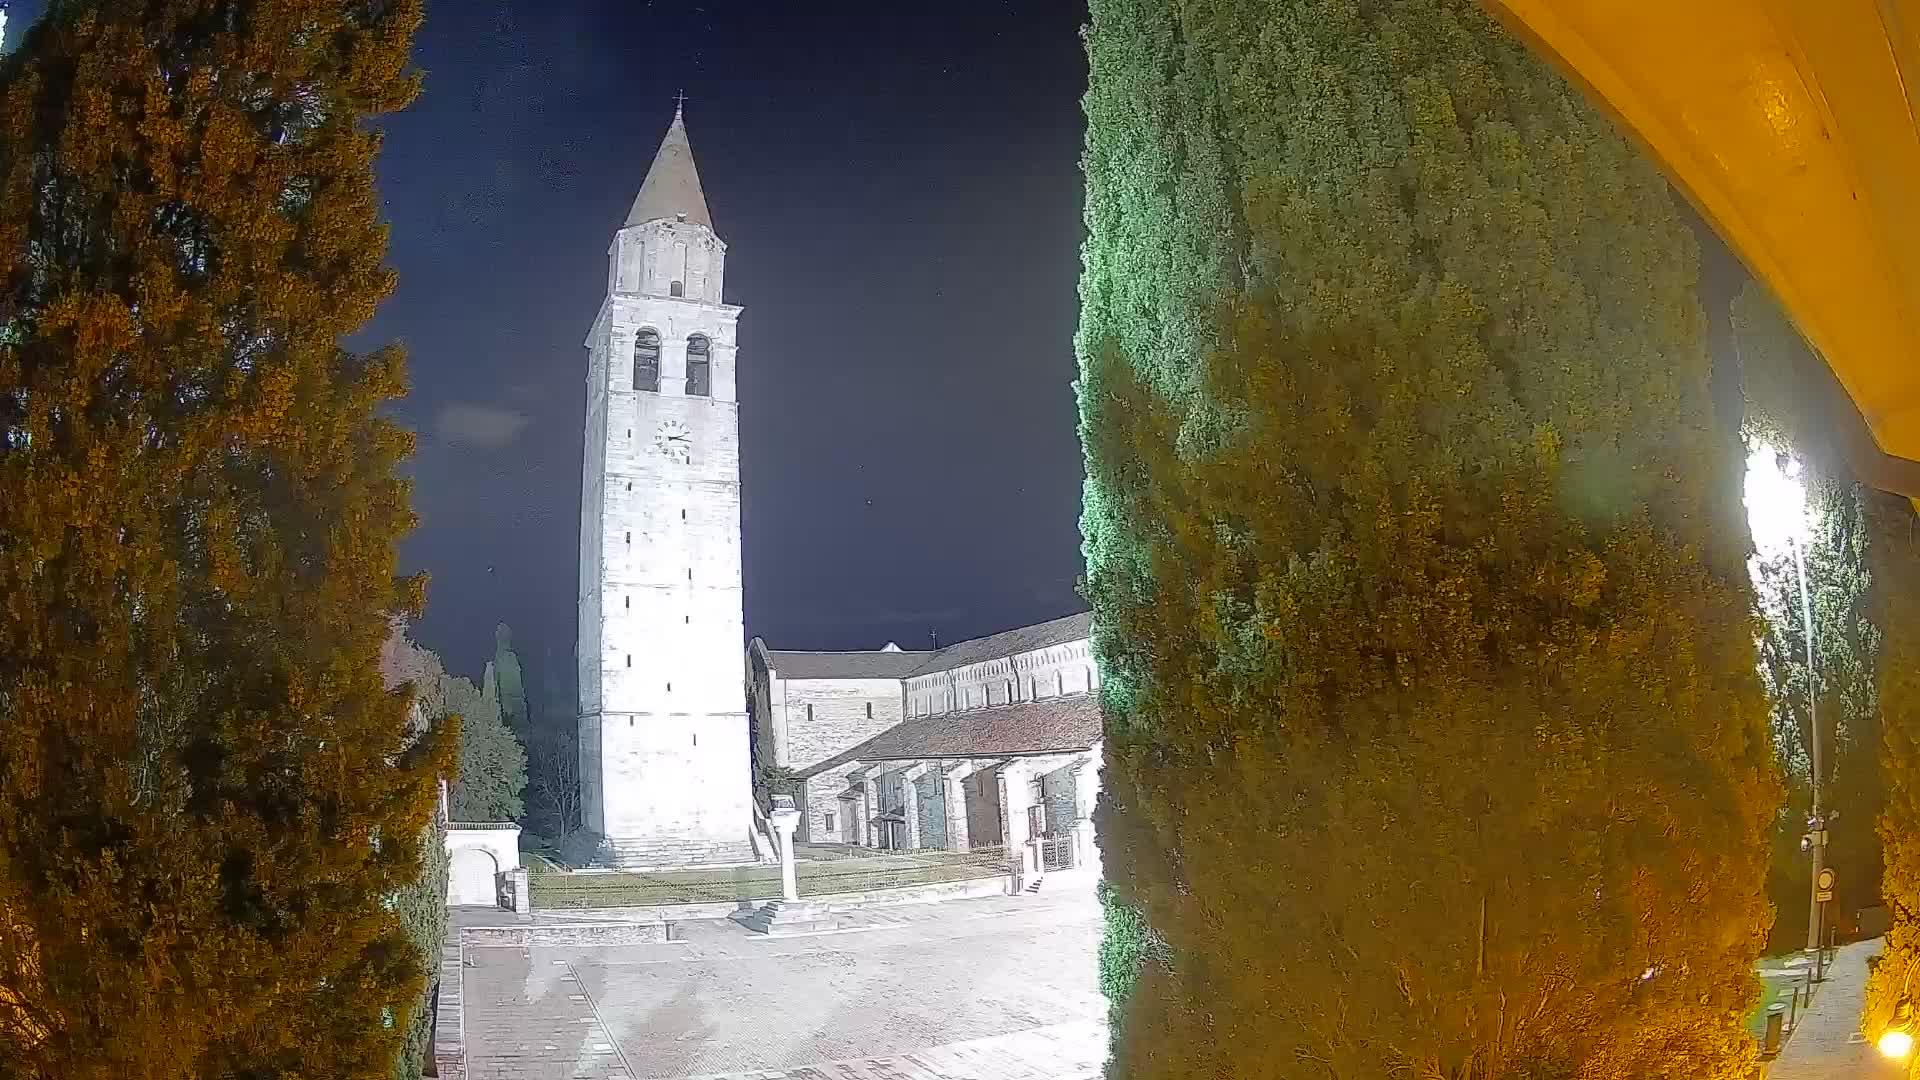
778	917
664	853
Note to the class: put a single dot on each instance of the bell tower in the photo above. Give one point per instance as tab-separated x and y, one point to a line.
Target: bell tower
664	760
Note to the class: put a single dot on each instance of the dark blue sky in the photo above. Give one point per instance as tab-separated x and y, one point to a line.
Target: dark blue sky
899	187
901	196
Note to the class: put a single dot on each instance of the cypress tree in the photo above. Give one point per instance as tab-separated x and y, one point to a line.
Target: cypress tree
208	802
1435	745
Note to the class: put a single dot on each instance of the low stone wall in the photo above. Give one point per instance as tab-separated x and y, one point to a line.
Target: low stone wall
450	1018
564	934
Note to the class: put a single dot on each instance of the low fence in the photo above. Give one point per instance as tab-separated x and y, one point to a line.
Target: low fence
826	869
819	870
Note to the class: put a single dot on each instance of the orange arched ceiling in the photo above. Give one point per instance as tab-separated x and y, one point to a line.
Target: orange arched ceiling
1794	125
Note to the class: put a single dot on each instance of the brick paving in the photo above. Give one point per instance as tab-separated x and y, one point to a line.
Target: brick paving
993	989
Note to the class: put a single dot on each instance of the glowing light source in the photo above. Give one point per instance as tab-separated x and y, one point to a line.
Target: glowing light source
1776	501
1896	1043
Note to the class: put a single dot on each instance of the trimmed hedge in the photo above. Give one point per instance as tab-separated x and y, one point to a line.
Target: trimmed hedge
1435	745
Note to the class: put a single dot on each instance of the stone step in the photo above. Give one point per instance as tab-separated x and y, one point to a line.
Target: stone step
668	853
777	917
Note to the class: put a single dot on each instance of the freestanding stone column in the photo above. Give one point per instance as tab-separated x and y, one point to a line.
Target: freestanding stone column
785	819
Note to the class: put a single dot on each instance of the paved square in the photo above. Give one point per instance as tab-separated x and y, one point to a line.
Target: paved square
1000	989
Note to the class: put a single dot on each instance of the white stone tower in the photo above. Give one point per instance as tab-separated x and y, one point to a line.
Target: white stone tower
665	771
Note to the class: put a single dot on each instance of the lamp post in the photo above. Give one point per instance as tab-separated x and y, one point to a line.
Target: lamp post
1816	820
1897	1041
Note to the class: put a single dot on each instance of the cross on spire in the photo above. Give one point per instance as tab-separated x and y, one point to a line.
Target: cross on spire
679	103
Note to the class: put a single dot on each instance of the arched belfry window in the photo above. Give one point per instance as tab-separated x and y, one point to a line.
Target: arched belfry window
646	361
699	367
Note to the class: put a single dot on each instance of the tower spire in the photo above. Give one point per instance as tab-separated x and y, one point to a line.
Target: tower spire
672	187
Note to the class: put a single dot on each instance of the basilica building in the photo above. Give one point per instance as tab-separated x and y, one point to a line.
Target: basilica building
987	743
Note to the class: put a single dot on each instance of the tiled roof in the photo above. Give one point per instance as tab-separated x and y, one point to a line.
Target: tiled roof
1009	643
1051	725
872	664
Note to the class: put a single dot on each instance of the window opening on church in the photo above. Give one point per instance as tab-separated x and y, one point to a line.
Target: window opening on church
646	362
626	602
809	712
683	515
829	822
677	289
629	538
629	659
699	368
687	619
869	710
1059	683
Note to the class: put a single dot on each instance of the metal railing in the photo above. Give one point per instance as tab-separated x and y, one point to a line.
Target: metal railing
827	869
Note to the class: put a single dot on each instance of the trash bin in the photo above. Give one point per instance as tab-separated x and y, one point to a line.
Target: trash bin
1776	1029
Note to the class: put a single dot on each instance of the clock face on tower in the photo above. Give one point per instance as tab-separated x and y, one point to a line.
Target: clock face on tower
674	442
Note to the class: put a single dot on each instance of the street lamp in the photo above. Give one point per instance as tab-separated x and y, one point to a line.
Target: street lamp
1776	501
1897	1041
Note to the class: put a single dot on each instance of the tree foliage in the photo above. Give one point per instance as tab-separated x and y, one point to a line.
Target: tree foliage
512	683
422	904
1435	745
207	799
1894	553
493	765
1841	686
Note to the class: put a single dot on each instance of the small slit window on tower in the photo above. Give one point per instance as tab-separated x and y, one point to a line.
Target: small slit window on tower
699	367
809	712
646	361
869	710
626	601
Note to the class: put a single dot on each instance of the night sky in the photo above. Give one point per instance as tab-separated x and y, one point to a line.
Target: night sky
899	189
900	194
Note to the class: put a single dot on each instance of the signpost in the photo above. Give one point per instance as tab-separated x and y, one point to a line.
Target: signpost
1823	885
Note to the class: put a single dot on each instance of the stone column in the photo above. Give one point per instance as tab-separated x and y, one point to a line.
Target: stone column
784	822
1086	791
910	802
1014	800
863	828
954	796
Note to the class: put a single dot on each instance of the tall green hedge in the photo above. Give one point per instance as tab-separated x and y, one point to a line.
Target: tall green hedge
1435	745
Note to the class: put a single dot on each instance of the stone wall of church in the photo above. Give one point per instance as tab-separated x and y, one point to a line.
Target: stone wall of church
1063	669
818	718
822	797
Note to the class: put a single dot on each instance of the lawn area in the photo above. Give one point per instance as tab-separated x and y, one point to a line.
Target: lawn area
830	873
1774	989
